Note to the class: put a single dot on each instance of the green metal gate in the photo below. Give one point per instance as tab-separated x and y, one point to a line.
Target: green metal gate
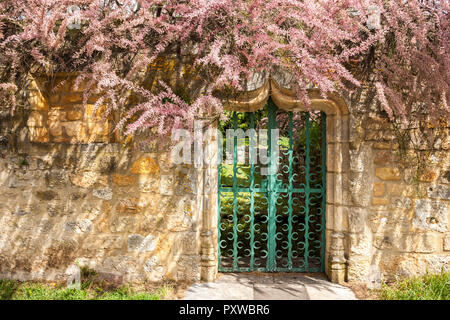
272	216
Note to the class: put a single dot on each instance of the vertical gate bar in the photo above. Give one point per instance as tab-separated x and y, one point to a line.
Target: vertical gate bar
290	191
272	231
219	192
307	188
252	193
323	153
235	200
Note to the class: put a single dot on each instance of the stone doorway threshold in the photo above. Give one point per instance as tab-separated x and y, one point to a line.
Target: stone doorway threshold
269	286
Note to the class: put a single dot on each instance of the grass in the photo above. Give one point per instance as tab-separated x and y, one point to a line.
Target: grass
15	290
90	289
427	287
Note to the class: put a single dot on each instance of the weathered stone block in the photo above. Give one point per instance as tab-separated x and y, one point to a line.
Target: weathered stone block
388	135
111	278
179	222
46	226
151	263
428	176
137	242
37	101
145	166
165	161
81	226
129	205
61	252
390	220
46	194
150	224
397	190
380	201
149	183
98	129
56	208
358	269
445	177
54	99
122	180
383	158
188	268
22	212
74	115
92	210
98	159
72	97
383	242
414	265
36	119
360	184
155	273
55	129
123	224
77	195
388	173
88	179
360	244
38	134
382	145
167	184
122	264
185	243
105	194
419	243
374	135
68	131
401	202
94	116
18	179
105	242
182	181
431	215
439	191
357	218
56	115
73	128
57	178
447	242
379	189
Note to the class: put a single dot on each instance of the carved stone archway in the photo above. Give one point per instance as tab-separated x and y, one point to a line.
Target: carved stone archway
337	137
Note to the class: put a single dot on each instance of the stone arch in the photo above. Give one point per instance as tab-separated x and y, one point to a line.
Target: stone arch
337	135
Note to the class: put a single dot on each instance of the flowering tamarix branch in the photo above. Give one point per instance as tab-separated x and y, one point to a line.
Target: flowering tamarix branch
211	47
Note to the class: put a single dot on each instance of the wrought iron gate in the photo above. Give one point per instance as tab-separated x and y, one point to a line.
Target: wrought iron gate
272	217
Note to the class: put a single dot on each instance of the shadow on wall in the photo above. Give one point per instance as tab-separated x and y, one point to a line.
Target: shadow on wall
399	222
128	214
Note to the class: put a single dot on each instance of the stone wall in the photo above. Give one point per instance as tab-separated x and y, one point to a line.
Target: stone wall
58	113
126	213
71	192
396	222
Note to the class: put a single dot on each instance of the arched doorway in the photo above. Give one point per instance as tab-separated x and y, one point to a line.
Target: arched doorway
336	190
272	199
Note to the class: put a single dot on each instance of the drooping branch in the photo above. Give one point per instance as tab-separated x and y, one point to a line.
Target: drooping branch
196	50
